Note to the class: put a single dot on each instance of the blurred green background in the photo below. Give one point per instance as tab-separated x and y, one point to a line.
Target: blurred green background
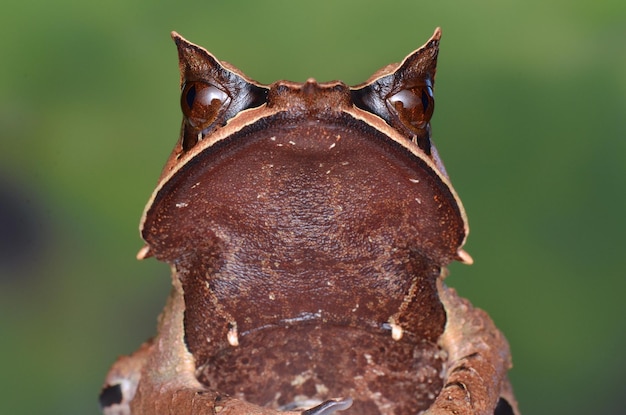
530	121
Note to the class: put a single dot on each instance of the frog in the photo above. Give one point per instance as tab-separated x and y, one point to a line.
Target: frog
308	227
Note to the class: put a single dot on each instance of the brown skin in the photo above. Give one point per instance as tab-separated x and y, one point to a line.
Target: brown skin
308	227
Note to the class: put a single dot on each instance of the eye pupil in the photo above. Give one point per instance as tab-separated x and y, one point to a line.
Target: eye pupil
424	101
190	97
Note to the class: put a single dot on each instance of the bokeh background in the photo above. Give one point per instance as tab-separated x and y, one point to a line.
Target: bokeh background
530	121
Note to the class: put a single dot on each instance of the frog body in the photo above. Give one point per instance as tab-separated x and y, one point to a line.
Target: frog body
308	227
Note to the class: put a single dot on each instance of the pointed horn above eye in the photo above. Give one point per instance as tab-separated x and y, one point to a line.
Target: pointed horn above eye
403	94
193	59
421	62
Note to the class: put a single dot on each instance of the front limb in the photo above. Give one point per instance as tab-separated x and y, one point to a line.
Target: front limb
476	380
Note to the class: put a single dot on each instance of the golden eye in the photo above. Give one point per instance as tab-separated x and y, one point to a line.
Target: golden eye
413	106
202	103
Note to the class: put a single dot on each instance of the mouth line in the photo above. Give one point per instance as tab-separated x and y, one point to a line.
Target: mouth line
317	319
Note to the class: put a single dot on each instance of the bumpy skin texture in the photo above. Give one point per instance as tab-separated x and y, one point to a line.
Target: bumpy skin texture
308	227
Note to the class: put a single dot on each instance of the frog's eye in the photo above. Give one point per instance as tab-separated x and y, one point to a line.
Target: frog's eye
413	106
204	106
202	103
212	93
402	95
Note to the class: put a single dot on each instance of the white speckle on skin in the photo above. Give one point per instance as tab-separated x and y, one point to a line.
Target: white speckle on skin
233	336
182	204
273	138
292	143
414	180
321	389
332	146
298	380
396	332
418	200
